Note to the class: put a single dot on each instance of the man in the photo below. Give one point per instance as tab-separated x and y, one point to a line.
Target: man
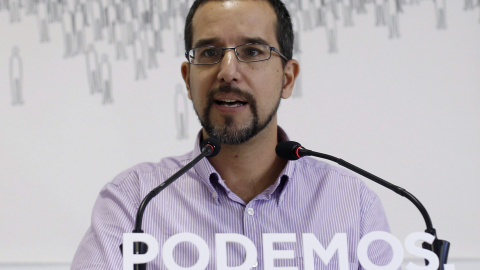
239	67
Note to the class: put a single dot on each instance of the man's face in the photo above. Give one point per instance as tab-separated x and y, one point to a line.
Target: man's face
235	100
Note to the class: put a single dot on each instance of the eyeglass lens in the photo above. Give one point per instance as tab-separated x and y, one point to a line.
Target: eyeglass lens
245	53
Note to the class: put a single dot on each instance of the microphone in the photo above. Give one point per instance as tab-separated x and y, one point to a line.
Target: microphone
210	147
291	150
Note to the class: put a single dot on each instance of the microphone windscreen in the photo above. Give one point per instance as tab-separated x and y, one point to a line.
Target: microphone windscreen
288	150
212	142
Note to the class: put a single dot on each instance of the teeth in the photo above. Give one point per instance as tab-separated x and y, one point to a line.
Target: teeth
228	100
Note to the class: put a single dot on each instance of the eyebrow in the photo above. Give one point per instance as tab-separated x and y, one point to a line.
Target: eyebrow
212	41
205	42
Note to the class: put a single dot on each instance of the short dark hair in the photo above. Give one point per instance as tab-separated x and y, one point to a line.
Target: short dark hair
284	26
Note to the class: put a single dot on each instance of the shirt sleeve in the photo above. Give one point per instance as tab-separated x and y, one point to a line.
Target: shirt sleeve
112	216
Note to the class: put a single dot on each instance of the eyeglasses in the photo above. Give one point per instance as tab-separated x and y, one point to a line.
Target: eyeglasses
250	52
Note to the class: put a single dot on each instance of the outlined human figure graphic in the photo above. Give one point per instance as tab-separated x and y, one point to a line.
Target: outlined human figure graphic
296	27
440	14
307	20
129	25
149	40
179	14
347	11
330	28
14	10
110	20
181	112
106	79
68	24
93	69
96	18
30	7
54	11
379	7
16	76
42	21
157	28
120	40
393	8
139	58
79	31
360	6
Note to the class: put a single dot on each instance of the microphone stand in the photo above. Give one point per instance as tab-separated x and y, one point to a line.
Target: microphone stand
210	147
439	247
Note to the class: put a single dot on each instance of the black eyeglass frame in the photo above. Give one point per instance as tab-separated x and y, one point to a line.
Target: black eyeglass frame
236	54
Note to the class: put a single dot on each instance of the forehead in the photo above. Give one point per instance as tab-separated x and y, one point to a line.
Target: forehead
229	23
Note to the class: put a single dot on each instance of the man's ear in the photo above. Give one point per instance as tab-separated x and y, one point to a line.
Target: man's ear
185	68
291	71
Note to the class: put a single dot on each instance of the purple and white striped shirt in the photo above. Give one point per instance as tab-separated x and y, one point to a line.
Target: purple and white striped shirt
309	196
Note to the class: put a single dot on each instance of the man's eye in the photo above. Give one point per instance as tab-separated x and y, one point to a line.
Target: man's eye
209	53
251	51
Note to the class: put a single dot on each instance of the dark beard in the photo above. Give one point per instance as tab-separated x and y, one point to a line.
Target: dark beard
226	133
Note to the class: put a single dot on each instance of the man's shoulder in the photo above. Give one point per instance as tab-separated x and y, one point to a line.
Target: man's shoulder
166	165
319	166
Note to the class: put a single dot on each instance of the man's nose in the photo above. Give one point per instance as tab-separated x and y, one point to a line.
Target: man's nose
228	67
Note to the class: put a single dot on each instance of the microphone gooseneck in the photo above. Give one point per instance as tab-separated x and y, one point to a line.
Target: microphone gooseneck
292	150
209	147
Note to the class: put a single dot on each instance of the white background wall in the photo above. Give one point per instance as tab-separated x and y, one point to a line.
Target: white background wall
406	109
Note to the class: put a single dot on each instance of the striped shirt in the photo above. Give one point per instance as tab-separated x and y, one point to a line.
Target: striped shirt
309	196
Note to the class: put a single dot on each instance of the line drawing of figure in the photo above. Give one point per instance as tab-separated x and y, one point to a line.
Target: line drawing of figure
106	79
16	76
150	47
331	28
313	8
42	21
360	6
178	26
157	32
68	33
181	113
380	13
54	12
120	40
93	70
97	18
139	58
129	25
296	27
440	14
164	13
110	20
469	4
80	39
347	9
306	16
392	19
14	8
144	14
30	7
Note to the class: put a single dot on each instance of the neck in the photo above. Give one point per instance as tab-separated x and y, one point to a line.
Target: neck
249	168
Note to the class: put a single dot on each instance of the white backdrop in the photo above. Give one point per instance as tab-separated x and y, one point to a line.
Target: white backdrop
401	100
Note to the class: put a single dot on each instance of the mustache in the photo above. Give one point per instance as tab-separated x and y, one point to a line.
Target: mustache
231	89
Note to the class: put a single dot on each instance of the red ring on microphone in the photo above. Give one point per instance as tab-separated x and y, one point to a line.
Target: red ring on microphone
296	152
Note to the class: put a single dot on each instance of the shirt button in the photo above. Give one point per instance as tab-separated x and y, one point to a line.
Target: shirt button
250	211
255	264
214	195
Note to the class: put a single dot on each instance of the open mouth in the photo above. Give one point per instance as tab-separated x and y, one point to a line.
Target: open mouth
231	103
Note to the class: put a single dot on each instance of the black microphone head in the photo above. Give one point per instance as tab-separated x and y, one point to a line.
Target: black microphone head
213	144
288	150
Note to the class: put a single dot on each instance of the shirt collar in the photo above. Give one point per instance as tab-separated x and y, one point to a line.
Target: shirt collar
208	174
